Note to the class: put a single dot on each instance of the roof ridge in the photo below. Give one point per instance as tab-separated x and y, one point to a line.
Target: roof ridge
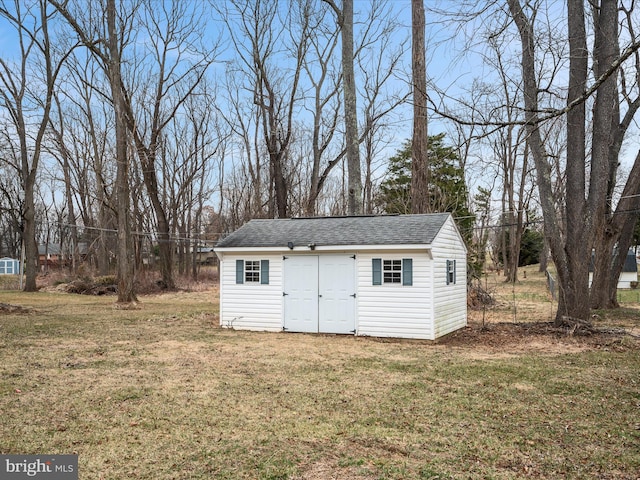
418	229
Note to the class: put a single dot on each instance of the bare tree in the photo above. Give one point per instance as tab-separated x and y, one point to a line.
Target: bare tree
175	64
64	158
28	104
82	138
325	88
172	63
615	233
419	147
126	288
246	199
261	32
379	48
195	142
344	17
107	50
11	204
586	197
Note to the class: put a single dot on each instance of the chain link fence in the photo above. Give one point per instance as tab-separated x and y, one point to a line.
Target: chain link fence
532	298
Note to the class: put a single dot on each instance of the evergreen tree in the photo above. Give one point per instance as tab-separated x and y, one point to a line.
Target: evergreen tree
447	188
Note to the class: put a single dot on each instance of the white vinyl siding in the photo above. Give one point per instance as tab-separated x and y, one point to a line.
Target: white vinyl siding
420	305
251	305
391	309
623	282
450	298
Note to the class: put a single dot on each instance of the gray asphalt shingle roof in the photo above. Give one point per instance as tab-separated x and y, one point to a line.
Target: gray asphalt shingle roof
630	263
324	231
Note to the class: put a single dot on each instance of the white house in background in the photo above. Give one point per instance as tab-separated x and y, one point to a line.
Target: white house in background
629	271
9	266
386	276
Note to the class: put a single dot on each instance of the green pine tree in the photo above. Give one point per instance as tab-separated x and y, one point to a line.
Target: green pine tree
447	189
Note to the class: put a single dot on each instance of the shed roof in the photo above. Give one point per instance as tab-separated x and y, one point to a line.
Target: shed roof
630	262
325	231
49	248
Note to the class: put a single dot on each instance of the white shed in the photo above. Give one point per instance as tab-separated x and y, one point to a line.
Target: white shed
629	274
386	276
9	266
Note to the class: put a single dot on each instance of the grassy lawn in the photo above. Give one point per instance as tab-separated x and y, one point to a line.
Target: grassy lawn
163	393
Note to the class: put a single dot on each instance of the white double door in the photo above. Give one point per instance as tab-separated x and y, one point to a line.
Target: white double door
319	293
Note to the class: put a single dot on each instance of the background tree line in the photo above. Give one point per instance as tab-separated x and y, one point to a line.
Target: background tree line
145	126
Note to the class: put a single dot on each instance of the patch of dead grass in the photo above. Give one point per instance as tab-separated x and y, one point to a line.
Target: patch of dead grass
164	393
6	308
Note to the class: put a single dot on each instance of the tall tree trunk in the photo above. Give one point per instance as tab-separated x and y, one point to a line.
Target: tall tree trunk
31	257
105	219
624	243
605	159
574	279
354	180
571	262
280	185
544	258
125	274
618	232
419	143
516	214
165	243
111	62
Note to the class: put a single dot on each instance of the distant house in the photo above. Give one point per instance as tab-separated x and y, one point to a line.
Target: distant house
629	271
9	266
384	276
50	255
206	256
55	255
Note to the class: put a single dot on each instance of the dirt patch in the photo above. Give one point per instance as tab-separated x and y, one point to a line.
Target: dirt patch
507	339
7	308
329	471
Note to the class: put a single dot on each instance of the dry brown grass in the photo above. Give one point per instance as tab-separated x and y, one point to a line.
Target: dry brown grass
163	393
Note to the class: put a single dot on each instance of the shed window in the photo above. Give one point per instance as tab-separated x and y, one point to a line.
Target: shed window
252	271
451	272
392	271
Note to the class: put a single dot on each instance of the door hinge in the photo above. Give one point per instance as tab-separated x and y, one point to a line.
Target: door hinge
284	329
284	294
353	331
284	258
353	295
353	256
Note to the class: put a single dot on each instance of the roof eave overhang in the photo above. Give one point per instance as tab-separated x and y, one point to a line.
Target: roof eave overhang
322	248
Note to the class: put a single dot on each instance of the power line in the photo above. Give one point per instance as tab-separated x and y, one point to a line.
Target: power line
172	237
